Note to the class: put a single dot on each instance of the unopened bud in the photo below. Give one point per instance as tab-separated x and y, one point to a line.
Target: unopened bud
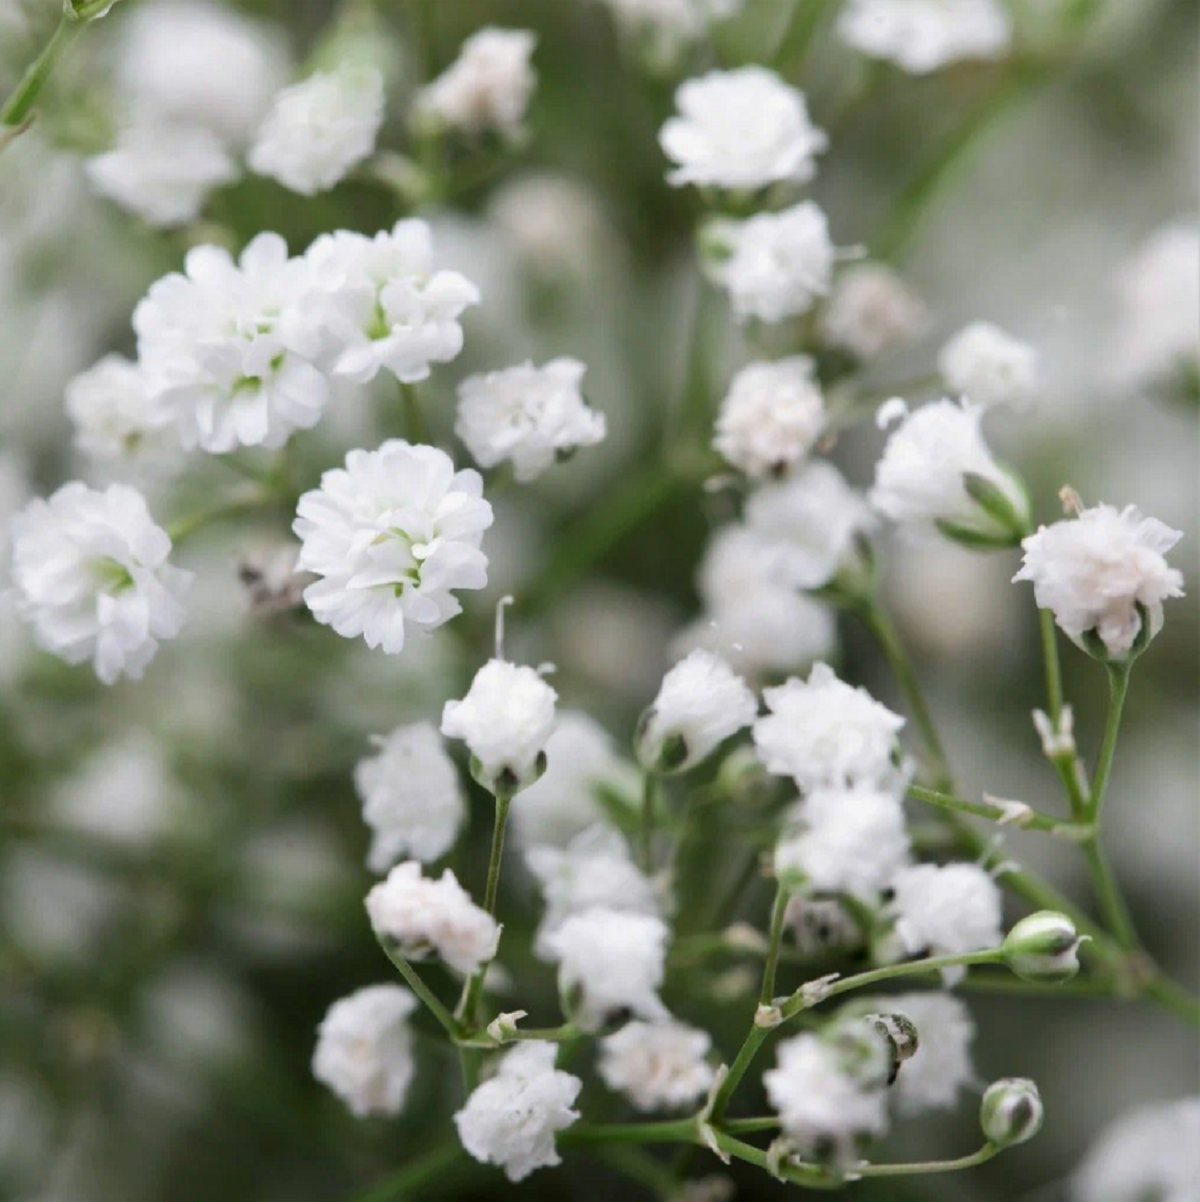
1011	1112
504	1026
1043	947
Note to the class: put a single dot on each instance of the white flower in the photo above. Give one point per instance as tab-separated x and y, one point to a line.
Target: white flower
384	304
658	1066
392	535
771	417
920	36
320	128
666	27
700	703
870	310
808	524
610	961
919	478
528	415
364	1049
487	87
200	63
420	914
1150	1152
849	841
820	1104
114	417
941	1066
410	796
92	578
1095	570
741	129
511	1119
989	367
580	756
505	720
229	349
943	911
825	733
162	172
595	869
774	265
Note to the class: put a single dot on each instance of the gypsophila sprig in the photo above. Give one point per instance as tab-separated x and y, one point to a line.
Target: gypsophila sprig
870	310
990	367
658	1066
117	422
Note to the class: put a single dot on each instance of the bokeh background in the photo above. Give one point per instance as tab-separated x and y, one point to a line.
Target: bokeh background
181	859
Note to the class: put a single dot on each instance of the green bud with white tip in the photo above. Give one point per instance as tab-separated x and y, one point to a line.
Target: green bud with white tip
1011	1112
1043	947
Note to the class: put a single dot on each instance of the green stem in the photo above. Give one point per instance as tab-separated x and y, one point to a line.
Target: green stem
737	1070
24	95
646	830
414	417
411	1180
1054	689
1033	821
183	528
1109	896
778	911
745	1126
797	37
473	992
811	1175
1174	997
667	1132
1118	687
914	1168
565	1033
418	986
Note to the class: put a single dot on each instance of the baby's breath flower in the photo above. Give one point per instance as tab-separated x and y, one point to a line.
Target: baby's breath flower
658	1066
989	367
920	36
116	421
870	310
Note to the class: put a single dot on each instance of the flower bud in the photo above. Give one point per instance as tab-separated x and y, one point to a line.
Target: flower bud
1011	1112
1043	947
743	778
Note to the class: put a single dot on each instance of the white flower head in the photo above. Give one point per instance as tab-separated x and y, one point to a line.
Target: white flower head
847	841
528	415
116	421
825	733
411	796
610	961
930	459
422	915
229	349
511	1119
488	87
771	417
505	719
384	305
320	128
700	703
662	29
870	311
1150	1152
1101	571
91	577
658	1066
392	535
822	1104
774	265
740	129
364	1049
595	869
943	910
990	367
920	36
162	172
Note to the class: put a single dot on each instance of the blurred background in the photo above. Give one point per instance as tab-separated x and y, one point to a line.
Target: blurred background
181	859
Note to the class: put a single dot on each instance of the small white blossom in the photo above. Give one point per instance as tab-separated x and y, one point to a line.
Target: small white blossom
920	36
919	478
410	796
821	1105
771	417
1095	570
666	27
774	265
528	415
848	841
870	311
658	1066
825	733
92	578
595	869
700	703
384	304
420	915
741	129
505	719
1150	1152
392	535
511	1119
320	128
610	961
229	349
162	172
989	367
115	418
488	87
364	1049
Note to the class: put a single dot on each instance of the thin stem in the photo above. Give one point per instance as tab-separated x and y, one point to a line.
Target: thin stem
1026	819
737	1070
778	911
666	1132
1118	687
745	1126
1109	895
183	528
813	1176
1174	997
797	37
914	1168
418	986
24	95
414	417
1054	689
646	830
473	992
